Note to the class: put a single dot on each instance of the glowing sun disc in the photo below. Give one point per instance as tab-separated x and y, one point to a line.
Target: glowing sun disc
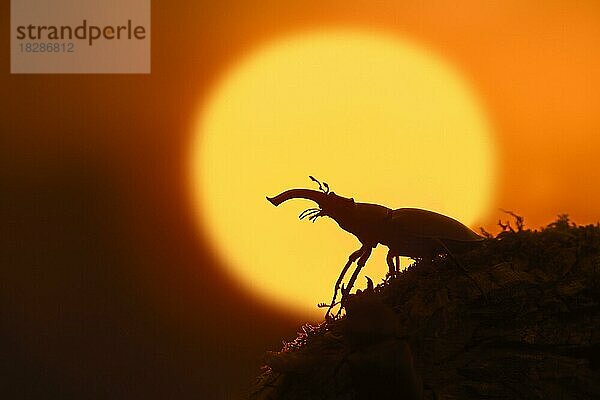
377	117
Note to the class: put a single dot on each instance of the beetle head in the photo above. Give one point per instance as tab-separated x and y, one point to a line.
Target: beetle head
330	204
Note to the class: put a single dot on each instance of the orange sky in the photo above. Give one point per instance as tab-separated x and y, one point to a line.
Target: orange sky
533	67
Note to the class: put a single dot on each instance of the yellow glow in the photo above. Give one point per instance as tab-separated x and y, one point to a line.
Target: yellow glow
376	117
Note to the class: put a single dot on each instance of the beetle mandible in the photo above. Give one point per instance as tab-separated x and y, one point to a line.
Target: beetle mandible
408	232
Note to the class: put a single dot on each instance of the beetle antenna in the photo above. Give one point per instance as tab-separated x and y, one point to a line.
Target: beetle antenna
326	187
307	212
312	178
309	215
314	217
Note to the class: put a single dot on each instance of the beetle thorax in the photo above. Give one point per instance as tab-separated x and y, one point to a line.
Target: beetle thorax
363	220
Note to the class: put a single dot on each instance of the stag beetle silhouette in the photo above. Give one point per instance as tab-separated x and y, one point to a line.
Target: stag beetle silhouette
408	232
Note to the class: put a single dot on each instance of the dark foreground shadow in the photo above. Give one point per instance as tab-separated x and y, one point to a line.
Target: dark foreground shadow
430	333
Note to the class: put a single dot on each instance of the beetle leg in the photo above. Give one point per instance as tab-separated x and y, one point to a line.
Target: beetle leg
389	259
353	257
361	263
397	264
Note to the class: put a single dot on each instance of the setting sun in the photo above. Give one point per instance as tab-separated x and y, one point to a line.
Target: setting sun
377	117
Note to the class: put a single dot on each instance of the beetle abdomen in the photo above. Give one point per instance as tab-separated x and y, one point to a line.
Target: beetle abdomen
415	222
